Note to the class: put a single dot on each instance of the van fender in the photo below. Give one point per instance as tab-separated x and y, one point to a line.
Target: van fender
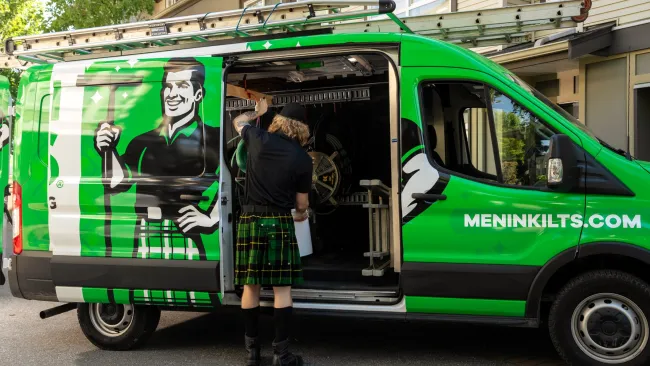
551	267
572	254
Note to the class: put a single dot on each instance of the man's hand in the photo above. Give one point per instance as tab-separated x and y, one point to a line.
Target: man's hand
106	137
301	213
300	216
194	218
243	120
261	107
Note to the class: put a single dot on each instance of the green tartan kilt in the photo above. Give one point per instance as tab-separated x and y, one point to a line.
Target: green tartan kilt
267	251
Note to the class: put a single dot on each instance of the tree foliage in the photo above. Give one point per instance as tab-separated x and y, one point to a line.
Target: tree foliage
24	17
76	14
19	18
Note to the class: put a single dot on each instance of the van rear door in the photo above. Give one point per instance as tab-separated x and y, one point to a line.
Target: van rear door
5	137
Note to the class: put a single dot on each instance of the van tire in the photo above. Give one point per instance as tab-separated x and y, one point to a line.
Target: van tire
606	291
143	323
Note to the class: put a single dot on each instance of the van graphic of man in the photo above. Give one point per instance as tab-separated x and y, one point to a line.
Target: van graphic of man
163	165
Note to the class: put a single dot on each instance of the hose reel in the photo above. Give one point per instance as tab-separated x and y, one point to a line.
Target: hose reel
326	177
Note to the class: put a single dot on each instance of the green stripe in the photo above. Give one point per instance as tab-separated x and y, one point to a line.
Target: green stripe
411	152
121	296
140	160
440	305
95	295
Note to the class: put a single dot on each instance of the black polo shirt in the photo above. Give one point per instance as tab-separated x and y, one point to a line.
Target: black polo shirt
192	152
277	168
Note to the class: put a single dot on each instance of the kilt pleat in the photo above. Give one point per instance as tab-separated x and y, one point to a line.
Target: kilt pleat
267	251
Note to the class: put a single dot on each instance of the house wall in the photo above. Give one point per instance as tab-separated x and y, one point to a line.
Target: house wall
209	6
191	7
465	5
620	11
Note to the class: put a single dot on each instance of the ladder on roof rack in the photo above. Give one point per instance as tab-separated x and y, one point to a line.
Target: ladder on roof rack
471	28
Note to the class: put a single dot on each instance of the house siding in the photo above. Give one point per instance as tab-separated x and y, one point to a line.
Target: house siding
465	5
621	11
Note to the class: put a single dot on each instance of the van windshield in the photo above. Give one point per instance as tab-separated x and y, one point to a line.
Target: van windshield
566	115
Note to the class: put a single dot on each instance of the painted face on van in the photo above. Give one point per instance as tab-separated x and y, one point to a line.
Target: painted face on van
179	95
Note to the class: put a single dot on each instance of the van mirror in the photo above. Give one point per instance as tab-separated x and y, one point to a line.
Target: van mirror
562	164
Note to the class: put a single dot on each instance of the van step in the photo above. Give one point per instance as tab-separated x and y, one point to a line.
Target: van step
383	286
297	294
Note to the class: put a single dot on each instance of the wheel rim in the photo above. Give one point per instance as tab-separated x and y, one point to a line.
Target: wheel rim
111	320
610	328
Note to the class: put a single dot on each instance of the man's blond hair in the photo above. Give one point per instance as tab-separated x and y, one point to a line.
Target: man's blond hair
292	128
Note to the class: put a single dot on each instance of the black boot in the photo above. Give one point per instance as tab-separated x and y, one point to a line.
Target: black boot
282	356
253	348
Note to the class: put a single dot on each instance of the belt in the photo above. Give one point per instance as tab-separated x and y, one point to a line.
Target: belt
265	209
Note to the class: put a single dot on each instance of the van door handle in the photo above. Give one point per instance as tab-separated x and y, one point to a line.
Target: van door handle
192	197
429	197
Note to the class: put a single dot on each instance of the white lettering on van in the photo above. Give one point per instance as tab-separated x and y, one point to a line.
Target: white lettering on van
634	223
472	221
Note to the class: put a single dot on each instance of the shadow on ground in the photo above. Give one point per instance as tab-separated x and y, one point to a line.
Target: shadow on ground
217	339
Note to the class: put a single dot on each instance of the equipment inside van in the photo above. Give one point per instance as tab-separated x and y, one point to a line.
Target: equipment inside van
444	187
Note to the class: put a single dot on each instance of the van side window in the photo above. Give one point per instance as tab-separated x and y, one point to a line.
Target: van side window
486	135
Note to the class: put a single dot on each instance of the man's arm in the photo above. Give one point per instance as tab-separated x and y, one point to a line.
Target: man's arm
243	120
302	205
303	188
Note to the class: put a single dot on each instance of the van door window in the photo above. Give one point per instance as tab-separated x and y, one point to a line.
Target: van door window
487	135
523	142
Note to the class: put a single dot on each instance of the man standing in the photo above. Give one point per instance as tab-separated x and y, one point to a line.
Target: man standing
278	180
182	147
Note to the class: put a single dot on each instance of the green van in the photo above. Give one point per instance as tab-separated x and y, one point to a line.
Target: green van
445	189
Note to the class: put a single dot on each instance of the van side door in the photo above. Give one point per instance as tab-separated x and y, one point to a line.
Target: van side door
133	167
478	220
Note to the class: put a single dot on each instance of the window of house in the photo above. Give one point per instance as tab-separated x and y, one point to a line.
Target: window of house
485	134
171	2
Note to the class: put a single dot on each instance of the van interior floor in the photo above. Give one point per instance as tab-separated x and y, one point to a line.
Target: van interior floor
333	271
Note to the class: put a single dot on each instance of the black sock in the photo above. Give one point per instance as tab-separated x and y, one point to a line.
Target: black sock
282	320
251	319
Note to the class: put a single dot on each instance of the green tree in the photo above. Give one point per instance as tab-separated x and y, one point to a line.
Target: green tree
19	18
77	14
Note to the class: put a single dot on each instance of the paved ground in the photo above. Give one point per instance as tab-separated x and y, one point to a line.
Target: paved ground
215	339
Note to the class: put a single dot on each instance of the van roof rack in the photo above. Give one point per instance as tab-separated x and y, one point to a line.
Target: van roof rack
506	25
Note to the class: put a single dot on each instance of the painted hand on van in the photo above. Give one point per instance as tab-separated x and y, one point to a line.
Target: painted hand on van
423	178
194	217
106	137
418	174
4	134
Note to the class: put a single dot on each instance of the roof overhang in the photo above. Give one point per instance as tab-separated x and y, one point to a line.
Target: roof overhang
611	40
604	40
531	53
175	9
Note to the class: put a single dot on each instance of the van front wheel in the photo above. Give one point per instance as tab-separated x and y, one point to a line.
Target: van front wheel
117	327
601	318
